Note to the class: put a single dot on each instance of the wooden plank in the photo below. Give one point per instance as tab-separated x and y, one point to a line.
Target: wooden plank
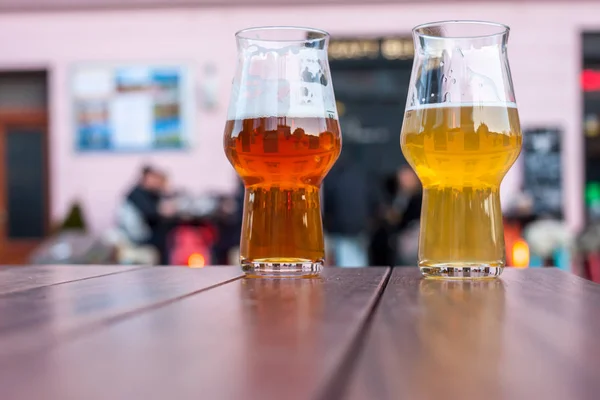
18	278
40	318
248	339
533	334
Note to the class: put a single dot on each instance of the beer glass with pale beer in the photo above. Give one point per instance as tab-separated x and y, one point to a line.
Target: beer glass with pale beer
461	134
282	136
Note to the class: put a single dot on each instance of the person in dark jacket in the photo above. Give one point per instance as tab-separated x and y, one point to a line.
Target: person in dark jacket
382	246
395	237
405	215
147	197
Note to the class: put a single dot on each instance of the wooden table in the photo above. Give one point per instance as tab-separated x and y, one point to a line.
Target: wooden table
104	332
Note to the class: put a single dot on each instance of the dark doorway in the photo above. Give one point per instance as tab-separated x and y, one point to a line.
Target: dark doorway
371	78
24	186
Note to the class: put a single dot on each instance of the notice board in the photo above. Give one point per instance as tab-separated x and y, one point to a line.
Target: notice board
139	107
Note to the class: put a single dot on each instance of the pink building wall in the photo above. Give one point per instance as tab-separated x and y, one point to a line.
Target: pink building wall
544	51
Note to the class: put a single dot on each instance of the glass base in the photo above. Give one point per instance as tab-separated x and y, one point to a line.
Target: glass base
281	268
461	270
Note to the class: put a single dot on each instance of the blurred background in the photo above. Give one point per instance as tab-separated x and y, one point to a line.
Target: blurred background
112	115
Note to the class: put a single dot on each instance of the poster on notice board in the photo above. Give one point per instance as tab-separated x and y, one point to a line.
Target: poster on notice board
131	108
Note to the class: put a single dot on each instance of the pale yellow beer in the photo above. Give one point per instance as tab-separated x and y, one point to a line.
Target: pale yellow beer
461	153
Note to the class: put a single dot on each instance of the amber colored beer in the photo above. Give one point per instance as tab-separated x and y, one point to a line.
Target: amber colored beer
461	154
282	161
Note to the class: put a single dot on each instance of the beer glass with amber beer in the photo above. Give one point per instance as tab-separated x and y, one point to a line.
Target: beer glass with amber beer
461	134
282	136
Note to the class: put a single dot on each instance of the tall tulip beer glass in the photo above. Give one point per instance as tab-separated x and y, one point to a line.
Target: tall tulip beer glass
282	136
461	134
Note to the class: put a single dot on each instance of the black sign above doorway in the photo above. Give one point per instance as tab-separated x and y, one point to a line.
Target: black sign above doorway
397	48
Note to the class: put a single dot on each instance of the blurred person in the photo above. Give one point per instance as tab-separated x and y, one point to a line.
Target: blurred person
164	187
405	216
147	197
240	194
348	205
548	236
382	246
586	253
228	222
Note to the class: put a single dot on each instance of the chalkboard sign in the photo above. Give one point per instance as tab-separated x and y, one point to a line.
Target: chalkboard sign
543	171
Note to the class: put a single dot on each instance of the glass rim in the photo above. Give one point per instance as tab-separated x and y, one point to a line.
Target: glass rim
322	35
503	29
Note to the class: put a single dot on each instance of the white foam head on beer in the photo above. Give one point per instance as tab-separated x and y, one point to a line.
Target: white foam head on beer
457	104
293	83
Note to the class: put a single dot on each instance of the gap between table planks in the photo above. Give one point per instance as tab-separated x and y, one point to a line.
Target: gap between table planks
18	278
41	317
248	338
532	334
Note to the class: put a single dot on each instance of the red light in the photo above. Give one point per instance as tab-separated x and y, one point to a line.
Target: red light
590	80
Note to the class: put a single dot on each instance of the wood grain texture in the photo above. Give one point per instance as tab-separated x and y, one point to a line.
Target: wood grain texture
18	278
42	317
533	334
247	339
